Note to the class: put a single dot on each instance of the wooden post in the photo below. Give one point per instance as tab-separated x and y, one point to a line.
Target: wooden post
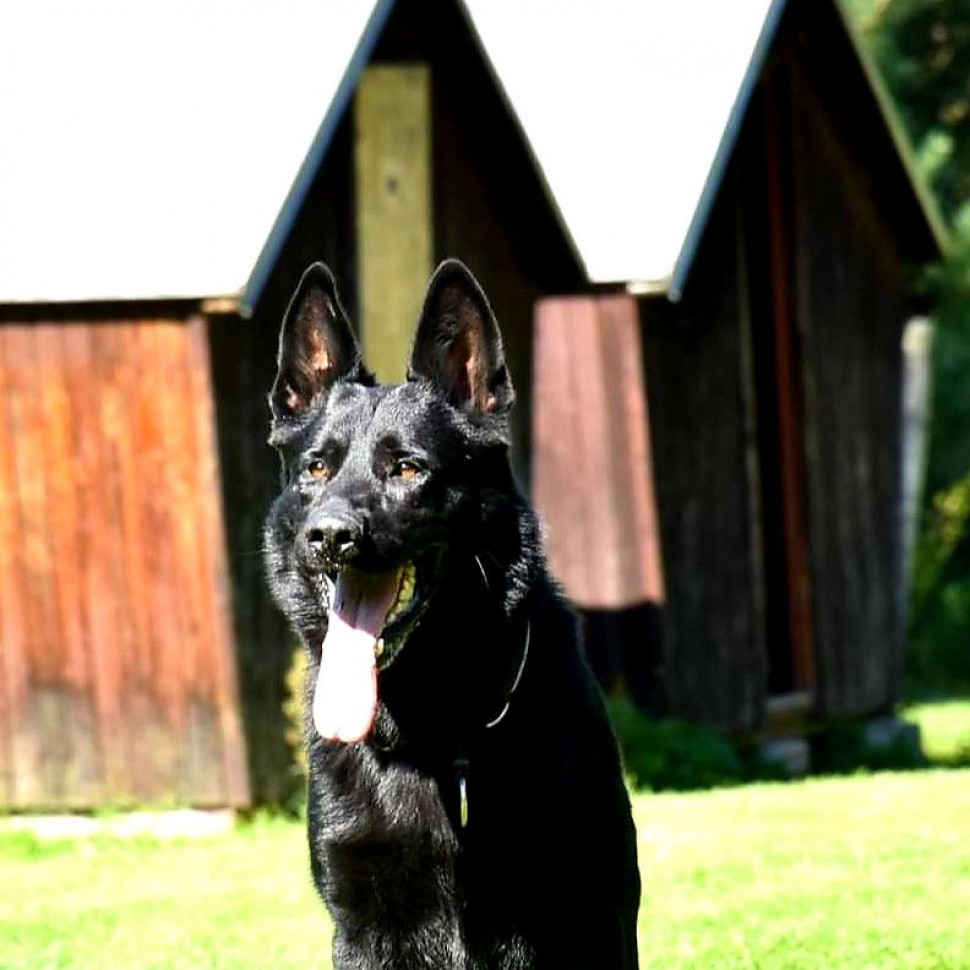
392	115
917	376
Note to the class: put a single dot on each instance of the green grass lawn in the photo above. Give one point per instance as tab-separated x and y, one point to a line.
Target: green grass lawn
861	872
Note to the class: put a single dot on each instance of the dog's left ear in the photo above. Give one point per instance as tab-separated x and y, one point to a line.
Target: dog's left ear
458	346
317	346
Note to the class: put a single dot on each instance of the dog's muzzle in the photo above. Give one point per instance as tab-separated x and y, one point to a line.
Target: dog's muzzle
333	541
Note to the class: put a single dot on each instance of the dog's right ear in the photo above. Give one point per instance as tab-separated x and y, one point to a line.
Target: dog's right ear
317	346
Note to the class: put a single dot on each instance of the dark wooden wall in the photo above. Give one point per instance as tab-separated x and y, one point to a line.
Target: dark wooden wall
117	676
695	358
851	286
774	390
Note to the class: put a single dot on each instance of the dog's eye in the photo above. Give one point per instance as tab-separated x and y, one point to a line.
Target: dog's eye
406	469
318	470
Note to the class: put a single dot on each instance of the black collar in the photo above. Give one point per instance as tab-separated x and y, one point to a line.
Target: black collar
461	765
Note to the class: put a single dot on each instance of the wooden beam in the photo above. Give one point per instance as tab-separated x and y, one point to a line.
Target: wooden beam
392	115
789	397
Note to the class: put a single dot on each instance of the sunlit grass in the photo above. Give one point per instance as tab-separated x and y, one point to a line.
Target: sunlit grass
945	727
862	872
242	899
857	873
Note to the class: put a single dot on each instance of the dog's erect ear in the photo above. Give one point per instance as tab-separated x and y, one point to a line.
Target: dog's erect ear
317	346
458	347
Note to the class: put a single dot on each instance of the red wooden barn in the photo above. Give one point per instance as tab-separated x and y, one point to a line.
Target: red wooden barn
695	224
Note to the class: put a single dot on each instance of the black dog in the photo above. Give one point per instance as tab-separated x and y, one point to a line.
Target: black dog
466	802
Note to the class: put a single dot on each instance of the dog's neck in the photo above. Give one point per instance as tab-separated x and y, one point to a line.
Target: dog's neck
468	656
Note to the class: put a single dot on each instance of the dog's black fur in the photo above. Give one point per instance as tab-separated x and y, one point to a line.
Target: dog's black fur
489	690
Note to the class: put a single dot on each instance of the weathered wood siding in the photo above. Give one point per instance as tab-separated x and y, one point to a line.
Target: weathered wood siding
117	677
774	391
592	478
696	359
851	287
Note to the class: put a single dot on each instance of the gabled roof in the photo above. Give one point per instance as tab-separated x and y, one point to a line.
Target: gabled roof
149	146
162	149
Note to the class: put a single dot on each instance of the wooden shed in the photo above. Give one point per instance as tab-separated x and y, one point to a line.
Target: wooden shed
713	325
771	341
141	658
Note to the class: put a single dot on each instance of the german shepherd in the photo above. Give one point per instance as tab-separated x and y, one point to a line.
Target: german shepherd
467	807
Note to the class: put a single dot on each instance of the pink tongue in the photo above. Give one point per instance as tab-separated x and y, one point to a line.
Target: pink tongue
345	699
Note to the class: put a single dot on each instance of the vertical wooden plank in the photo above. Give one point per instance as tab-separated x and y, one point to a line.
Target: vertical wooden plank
18	756
188	678
115	538
128	429
631	459
153	374
590	473
392	114
10	632
196	693
556	432
852	305
99	575
787	370
71	691
213	567
592	469
45	655
748	383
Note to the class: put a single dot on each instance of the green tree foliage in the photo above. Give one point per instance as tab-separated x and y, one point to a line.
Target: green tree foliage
923	50
923	47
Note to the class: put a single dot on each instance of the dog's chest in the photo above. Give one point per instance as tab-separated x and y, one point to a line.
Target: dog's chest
388	845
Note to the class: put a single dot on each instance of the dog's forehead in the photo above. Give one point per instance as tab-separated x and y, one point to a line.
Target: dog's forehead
413	415
407	412
403	404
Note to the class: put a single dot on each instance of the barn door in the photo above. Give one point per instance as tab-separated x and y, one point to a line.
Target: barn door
592	479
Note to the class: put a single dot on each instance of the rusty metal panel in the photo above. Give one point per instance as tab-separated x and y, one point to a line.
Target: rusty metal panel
591	467
115	657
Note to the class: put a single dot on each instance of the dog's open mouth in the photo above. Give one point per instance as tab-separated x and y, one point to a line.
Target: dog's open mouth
369	617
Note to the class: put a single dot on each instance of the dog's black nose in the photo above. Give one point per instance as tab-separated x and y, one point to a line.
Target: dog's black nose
333	540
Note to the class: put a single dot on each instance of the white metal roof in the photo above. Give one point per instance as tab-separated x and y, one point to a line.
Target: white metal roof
625	105
158	148
148	146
